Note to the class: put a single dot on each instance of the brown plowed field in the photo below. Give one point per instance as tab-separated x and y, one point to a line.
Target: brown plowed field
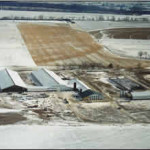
52	43
62	45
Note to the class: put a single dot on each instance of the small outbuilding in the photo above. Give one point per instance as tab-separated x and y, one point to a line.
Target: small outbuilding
10	81
140	95
91	95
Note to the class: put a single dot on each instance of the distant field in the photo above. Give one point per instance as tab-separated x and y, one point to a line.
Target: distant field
62	45
130	33
102	25
126	42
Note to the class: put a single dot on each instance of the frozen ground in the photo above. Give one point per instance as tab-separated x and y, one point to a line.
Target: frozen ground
102	76
126	47
13	51
88	136
3	110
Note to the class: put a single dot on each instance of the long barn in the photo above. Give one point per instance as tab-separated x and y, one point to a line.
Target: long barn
49	79
10	81
140	95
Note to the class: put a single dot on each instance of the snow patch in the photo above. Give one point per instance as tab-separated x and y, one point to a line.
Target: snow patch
90	136
3	110
12	47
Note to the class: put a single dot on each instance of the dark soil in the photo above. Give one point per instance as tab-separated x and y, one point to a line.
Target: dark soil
10	118
129	33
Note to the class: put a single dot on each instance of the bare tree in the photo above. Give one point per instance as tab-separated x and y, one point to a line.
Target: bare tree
145	53
148	56
101	18
40	17
140	54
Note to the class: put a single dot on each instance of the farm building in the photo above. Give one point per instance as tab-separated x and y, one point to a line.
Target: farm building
140	95
37	88
125	84
77	84
10	81
49	79
91	95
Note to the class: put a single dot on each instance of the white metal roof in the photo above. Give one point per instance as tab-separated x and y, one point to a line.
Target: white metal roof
55	77
10	78
141	95
16	78
79	84
44	77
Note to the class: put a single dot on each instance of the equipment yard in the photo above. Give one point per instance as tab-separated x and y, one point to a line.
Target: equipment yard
62	107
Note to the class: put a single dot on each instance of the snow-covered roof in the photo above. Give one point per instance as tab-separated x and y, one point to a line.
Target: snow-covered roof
140	95
44	77
79	84
9	78
56	77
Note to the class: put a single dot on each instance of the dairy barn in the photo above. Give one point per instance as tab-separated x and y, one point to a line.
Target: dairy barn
49	79
10	81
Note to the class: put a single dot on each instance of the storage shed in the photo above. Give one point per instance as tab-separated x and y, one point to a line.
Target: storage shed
140	95
91	95
49	79
10	81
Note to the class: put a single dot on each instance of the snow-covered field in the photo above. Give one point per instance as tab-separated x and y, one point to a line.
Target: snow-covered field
87	25
13	51
88	136
127	47
3	110
35	14
100	25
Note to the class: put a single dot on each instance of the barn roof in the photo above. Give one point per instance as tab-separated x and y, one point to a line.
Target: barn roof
9	78
79	84
48	78
141	95
125	83
89	93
